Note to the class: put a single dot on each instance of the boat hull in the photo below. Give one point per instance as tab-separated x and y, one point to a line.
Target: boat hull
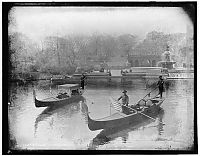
126	119
75	98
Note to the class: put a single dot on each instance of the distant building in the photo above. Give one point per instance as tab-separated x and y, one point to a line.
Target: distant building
144	60
117	62
145	55
150	52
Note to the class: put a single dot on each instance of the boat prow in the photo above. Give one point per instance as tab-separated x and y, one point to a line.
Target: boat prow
103	123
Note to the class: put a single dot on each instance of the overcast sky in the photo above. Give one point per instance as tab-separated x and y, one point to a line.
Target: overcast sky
37	22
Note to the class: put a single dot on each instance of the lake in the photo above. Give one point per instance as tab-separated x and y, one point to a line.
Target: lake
65	128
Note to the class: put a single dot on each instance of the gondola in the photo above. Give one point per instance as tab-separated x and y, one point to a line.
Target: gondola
134	114
68	93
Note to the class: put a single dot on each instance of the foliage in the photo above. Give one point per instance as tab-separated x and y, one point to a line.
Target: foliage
34	68
62	55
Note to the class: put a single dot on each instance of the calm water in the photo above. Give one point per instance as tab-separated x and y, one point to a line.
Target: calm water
66	127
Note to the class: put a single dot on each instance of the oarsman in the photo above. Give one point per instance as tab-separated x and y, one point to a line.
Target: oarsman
125	98
125	101
83	77
160	86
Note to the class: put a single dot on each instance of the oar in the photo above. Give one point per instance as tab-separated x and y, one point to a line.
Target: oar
155	96
34	94
149	117
150	92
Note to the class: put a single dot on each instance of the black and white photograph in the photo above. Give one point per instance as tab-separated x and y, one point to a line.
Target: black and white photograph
100	76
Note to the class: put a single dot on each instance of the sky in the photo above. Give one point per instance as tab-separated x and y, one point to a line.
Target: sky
38	22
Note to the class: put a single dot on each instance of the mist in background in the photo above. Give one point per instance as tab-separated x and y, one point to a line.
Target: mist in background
38	22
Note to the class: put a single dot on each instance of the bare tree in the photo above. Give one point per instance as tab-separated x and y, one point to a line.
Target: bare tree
127	43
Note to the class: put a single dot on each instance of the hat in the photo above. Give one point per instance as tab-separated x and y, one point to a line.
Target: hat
124	91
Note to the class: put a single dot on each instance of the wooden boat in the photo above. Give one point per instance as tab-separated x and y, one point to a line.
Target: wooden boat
72	93
108	135
134	116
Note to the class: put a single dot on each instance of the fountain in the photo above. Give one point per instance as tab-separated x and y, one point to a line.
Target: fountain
174	73
166	60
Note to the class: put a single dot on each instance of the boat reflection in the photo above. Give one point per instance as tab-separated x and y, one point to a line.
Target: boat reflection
63	111
160	126
108	135
84	110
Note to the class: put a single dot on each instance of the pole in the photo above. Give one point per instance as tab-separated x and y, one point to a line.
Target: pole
110	108
50	88
34	95
150	92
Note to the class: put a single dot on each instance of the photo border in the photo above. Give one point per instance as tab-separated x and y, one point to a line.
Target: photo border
189	7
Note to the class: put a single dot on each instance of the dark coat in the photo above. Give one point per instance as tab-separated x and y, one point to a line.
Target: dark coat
161	84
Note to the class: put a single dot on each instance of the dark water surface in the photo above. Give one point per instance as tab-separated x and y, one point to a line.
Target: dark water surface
66	127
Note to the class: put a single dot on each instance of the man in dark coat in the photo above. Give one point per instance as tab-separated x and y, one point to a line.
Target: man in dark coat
160	86
83	77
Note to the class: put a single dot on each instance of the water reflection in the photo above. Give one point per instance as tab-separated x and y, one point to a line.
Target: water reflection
61	111
84	111
160	125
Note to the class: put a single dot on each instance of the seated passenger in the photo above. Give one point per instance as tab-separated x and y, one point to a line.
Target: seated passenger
62	95
142	103
59	96
75	92
65	95
149	103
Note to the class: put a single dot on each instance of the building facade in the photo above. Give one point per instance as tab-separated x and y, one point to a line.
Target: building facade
149	52
144	60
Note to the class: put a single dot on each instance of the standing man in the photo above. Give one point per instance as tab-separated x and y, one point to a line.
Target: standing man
83	77
125	98
125	101
160	86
